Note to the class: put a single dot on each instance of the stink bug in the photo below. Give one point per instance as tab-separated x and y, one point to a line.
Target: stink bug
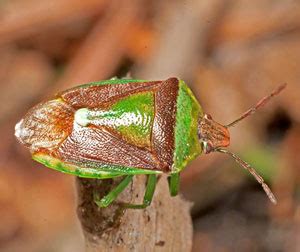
124	128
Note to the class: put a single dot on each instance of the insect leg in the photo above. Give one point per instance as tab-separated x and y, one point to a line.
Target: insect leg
112	195
150	188
174	184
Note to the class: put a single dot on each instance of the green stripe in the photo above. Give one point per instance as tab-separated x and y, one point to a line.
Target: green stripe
141	108
187	146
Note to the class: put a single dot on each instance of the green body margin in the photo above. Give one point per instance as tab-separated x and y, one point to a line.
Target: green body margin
92	171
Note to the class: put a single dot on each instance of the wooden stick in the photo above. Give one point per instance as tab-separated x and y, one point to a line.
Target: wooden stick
164	226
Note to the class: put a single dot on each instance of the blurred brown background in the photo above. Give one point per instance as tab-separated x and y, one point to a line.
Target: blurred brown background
230	52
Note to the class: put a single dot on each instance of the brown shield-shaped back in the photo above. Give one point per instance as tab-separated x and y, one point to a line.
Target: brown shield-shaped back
104	146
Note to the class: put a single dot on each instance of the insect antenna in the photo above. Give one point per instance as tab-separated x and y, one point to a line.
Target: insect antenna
258	105
253	172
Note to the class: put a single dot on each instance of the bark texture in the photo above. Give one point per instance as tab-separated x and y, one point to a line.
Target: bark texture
163	226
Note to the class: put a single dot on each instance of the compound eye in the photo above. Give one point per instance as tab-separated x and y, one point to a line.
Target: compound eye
207	116
207	147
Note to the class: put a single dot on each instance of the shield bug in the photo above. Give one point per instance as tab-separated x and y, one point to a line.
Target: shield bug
123	127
